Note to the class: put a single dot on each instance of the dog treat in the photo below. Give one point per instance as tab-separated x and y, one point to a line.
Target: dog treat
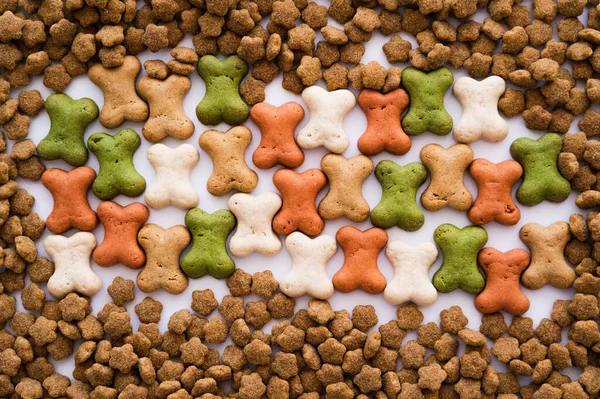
117	174
426	92
459	248
222	101
227	151
254	214
69	192
277	145
163	248
548	265
494	192
384	132
326	124
479	101
208	254
541	180
346	178
73	272
309	262
447	168
360	270
167	116
299	192
411	267
398	205
68	121
172	185
121	101
502	290
121	227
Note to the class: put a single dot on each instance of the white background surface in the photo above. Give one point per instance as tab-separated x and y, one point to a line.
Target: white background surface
500	237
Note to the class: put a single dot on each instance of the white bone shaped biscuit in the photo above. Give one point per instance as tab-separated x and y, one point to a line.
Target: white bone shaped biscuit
172	185
309	261
479	101
411	266
73	272
254	214
326	125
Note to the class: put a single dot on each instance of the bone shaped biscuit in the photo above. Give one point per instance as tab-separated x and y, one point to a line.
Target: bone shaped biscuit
254	214
309	261
277	144
346	178
326	125
479	101
163	248
494	192
547	245
73	272
411	267
502	290
71	207
447	168
121	101
360	270
172	185
384	132
227	151
299	192
121	226
167	116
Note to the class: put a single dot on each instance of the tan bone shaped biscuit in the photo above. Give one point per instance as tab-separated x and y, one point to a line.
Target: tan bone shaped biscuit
346	177
167	116
227	151
163	248
73	272
548	265
121	101
447	168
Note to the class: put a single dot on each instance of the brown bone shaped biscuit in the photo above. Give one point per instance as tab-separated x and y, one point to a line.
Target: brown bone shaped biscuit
121	101
360	270
121	226
447	168
71	207
163	248
227	151
494	192
277	144
167	116
502	286
299	192
548	265
346	178
384	131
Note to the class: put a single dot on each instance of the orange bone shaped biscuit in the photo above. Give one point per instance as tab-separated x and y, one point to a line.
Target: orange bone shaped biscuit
299	192
384	132
494	186
360	270
277	144
69	191
502	290
121	226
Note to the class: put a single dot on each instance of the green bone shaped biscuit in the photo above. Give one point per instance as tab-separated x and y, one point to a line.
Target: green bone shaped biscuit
426	91
208	254
398	205
117	173
460	248
222	101
541	180
68	120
